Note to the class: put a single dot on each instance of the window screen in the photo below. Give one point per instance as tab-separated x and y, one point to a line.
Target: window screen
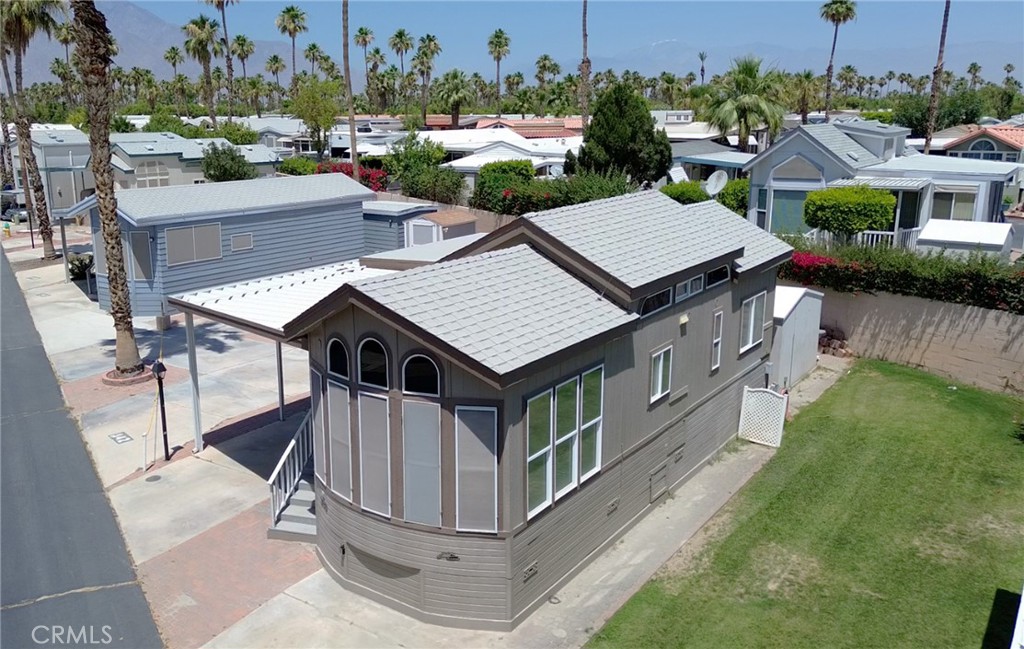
99	252
422	233
476	431
752	321
341	439
199	243
374	454
241	242
317	415
538	423
421	432
142	260
207	241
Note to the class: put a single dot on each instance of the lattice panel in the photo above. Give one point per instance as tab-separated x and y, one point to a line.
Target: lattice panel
762	416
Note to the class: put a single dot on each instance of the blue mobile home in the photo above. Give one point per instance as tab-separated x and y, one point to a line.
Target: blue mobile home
180	239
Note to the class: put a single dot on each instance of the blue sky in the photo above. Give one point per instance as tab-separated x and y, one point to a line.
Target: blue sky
617	27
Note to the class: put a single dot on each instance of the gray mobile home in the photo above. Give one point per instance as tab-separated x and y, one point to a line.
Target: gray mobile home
183	238
484	426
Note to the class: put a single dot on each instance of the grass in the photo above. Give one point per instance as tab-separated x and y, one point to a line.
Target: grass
892	516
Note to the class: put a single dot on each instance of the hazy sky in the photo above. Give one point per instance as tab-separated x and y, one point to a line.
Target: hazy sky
553	26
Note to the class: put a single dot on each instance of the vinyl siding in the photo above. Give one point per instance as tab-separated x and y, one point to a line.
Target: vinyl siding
382	235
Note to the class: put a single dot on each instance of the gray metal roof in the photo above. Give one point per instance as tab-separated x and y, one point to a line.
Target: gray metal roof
397	208
196	149
698	147
879	182
504	309
944	166
645	236
726	159
842	145
155	205
428	252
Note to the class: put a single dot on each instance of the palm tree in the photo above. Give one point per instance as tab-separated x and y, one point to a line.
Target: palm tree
181	86
889	76
836	12
513	82
498	47
429	48
92	44
400	43
454	90
974	72
805	87
349	97
243	48
584	89
255	88
933	101
312	53
363	38
747	98
847	78
275	66
66	76
20	21
546	66
63	35
202	45
702	56
292	21
174	57
221	6
6	160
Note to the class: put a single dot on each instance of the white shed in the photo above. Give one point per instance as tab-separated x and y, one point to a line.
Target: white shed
797	326
963	237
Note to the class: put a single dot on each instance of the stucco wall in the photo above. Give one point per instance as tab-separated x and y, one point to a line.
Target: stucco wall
976	346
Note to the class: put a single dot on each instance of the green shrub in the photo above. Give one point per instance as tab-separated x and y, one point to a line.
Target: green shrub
883	116
494	178
410	155
685	192
439	184
518	197
977	280
735	195
297	166
78	265
848	210
225	162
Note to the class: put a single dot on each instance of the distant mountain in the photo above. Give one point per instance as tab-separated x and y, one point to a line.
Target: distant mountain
142	38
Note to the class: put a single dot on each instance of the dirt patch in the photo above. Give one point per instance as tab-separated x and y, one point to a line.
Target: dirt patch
939	549
780	573
695	555
989	525
949	544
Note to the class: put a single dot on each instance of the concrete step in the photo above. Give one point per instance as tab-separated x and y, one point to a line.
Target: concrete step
300	513
304	487
292	531
305	498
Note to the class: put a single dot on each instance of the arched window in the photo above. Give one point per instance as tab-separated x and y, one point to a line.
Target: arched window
373	363
337	358
983	145
420	376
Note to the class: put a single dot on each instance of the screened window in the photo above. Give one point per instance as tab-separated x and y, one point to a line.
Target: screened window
337	358
762	208
476	469
316	386
716	340
340	437
717	276
538	467
420	376
420	232
567	428
99	252
689	288
374	453
752	321
957	206
142	260
656	302
152	173
661	373
373	364
591	409
241	242
192	244
421	437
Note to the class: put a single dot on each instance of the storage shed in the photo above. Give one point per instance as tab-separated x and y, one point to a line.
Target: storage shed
386	223
960	238
797	326
189	237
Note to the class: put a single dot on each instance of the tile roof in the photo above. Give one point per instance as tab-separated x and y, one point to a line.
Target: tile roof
504	309
842	145
1010	135
645	236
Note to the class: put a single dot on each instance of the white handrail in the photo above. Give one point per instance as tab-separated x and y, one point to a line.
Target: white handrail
288	471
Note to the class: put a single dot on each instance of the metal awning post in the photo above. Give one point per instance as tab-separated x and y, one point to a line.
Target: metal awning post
193	370
280	382
64	252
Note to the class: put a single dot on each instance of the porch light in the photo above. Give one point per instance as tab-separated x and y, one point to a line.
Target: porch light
159	371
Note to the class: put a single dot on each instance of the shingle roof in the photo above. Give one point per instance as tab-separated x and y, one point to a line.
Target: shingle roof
645	236
842	145
448	218
504	309
158	204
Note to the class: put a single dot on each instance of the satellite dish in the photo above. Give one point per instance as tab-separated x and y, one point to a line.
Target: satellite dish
716	183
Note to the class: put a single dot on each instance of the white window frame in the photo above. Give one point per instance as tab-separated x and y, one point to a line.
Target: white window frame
436	370
321	435
440	482
728	275
572	438
152	173
984	145
659	309
327	358
690	287
717	327
387	435
412	224
549	449
952	205
359	365
660	358
252	242
586	424
752	328
497	513
194	260
330	438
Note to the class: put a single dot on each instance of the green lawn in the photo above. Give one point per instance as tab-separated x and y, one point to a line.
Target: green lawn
889	518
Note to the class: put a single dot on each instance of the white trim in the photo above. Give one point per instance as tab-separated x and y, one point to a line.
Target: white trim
753	329
659	309
359	364
569	438
320	472
665	388
220	245
410	227
330	437
685	290
728	275
387	435
493	410
717	324
327	359
440	479
549	449
436	371
599	421
134	257
252	242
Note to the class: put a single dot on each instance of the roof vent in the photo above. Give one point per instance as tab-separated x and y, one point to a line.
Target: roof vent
852	155
149	147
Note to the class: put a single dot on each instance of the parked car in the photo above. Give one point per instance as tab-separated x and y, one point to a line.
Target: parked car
16	214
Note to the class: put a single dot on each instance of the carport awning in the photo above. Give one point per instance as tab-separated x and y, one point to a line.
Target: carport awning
724	159
881	182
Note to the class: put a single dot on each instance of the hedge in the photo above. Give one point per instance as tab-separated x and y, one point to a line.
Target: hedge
686	192
438	184
977	280
375	179
735	195
297	166
518	197
848	210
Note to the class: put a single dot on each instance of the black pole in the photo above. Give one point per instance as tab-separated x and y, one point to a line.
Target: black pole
163	417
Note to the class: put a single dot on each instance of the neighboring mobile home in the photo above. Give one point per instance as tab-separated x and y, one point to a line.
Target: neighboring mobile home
484	426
